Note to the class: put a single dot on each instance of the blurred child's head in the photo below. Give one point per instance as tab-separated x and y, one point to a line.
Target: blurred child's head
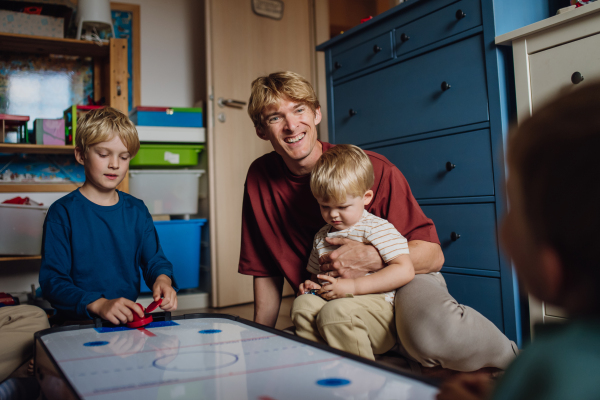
553	225
105	142
341	182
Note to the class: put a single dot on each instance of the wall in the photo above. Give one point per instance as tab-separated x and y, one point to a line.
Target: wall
173	69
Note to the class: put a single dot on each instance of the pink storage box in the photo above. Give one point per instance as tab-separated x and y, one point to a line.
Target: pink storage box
50	131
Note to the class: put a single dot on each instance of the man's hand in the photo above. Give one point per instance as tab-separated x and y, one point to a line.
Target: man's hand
116	311
466	387
337	287
352	260
162	289
307	285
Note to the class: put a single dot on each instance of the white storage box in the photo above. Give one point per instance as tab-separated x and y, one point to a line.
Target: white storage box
164	191
21	229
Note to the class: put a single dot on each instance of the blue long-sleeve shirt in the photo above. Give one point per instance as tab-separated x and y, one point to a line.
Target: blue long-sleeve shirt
91	251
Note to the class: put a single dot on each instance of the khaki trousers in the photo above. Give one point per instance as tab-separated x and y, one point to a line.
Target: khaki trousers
17	326
434	330
363	325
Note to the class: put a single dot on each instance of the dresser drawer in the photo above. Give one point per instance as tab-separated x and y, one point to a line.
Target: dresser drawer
467	234
448	21
478	292
362	56
552	70
407	98
428	165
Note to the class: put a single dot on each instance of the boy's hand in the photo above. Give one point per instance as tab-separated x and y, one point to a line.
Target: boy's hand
466	387
307	285
162	289
337	287
117	311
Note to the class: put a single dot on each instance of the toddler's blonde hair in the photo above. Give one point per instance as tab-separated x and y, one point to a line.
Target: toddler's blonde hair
101	125
342	171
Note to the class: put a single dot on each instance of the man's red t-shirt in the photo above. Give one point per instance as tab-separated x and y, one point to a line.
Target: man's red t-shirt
280	216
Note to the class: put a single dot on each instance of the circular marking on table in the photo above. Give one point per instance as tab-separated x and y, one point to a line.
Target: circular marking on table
195	361
96	344
333	382
209	331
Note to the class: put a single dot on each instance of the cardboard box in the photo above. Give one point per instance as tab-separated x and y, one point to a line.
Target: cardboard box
31	24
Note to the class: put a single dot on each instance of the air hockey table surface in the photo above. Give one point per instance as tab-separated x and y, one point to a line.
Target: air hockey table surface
208	356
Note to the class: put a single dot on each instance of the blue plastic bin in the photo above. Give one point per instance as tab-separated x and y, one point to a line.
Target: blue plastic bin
180	241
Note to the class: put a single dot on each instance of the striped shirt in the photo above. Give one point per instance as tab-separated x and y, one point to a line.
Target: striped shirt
370	229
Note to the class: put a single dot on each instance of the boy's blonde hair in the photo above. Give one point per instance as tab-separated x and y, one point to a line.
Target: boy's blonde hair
101	125
342	171
270	89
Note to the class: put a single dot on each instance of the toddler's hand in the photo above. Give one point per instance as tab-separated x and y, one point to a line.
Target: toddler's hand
116	311
306	286
337	287
162	289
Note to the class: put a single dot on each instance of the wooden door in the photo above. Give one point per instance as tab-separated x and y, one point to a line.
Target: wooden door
242	46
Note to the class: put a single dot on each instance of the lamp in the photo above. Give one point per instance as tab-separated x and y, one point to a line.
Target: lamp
95	14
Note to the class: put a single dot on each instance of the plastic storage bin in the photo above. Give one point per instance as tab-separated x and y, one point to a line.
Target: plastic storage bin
165	116
172	192
159	155
21	229
180	241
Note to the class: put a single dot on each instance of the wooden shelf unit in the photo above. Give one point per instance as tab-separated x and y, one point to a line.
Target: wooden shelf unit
35	148
14	43
110	82
19	258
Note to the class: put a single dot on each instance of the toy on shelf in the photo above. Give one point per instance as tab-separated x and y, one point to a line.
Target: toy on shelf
71	115
49	131
13	128
580	3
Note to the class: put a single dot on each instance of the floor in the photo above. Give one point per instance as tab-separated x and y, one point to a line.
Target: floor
246	311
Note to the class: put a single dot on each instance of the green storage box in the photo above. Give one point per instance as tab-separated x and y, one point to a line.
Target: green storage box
172	155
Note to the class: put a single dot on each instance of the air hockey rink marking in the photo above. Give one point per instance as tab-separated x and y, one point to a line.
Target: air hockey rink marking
233	361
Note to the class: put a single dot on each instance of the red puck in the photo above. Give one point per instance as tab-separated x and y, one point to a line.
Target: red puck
153	306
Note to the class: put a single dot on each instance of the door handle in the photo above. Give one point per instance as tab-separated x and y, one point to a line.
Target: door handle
230	103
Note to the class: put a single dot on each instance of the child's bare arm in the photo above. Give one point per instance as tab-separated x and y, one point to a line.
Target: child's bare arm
396	274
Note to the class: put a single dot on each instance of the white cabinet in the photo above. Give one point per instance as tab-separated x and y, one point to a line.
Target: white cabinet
552	57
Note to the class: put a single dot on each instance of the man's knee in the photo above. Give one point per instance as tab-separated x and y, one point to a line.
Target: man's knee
423	309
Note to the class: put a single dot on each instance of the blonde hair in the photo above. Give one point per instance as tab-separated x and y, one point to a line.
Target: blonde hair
102	125
270	89
342	171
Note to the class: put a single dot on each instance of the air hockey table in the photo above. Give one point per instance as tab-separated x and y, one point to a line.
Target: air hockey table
208	356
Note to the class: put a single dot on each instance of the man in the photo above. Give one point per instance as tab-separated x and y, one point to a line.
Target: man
280	218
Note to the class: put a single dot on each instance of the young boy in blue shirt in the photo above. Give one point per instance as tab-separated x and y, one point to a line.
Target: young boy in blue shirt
551	233
96	237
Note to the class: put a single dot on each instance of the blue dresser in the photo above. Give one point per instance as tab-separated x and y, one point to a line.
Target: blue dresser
424	85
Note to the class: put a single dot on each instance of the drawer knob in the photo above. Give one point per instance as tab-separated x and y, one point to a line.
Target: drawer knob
576	78
450	166
352	112
337	65
460	14
445	86
404	37
376	49
454	236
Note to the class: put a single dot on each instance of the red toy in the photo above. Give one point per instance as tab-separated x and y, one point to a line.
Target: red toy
139	322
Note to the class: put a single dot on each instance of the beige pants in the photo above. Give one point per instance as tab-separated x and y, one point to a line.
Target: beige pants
17	326
434	330
363	325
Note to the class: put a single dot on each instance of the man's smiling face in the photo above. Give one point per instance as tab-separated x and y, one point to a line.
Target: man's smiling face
291	127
